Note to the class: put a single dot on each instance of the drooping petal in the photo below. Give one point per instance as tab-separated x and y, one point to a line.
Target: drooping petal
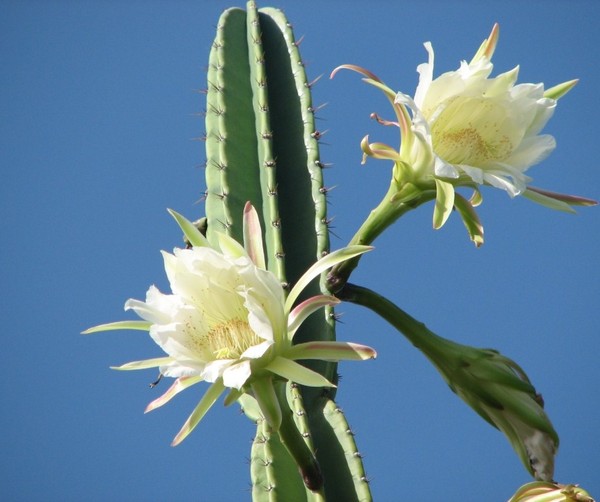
179	385
320	266
331	351
470	219
137	325
144	364
444	202
209	398
295	372
305	309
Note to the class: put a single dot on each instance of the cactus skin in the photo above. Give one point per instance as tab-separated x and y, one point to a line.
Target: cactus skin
262	147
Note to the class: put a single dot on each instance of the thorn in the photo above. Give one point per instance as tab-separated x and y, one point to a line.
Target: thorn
313	82
317	108
325	190
319	134
299	41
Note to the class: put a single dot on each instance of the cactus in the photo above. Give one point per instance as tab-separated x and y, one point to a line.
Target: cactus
262	147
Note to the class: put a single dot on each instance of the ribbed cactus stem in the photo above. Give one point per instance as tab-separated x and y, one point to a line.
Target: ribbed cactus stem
266	159
262	146
335	417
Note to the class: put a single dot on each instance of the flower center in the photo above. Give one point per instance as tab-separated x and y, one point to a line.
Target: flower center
229	340
474	131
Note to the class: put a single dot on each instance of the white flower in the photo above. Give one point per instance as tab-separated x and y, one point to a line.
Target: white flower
227	321
486	128
466	129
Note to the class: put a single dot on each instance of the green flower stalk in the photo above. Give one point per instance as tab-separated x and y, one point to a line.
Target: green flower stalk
493	385
229	323
539	491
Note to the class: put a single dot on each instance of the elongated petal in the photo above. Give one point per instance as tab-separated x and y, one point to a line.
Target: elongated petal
444	202
138	325
295	372
189	230
573	200
180	384
253	242
306	308
209	398
320	266
546	201
331	351
232	397
144	364
358	69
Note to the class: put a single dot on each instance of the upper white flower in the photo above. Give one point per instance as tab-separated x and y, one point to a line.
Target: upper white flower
227	321
467	129
486	128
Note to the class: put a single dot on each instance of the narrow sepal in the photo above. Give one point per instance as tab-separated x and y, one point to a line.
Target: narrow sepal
294	372
331	351
137	325
193	235
208	399
144	364
179	385
264	393
320	266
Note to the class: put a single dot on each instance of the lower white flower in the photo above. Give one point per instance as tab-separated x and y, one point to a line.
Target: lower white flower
228	322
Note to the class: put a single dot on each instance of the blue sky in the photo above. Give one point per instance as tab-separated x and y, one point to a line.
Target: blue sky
99	111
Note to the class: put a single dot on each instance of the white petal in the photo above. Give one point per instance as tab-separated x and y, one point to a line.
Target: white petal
256	351
532	151
236	375
215	369
425	71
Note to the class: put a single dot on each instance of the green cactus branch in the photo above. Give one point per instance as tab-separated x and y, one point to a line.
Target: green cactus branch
262	146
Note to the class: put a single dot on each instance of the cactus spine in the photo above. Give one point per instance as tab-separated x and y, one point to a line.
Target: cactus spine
262	147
